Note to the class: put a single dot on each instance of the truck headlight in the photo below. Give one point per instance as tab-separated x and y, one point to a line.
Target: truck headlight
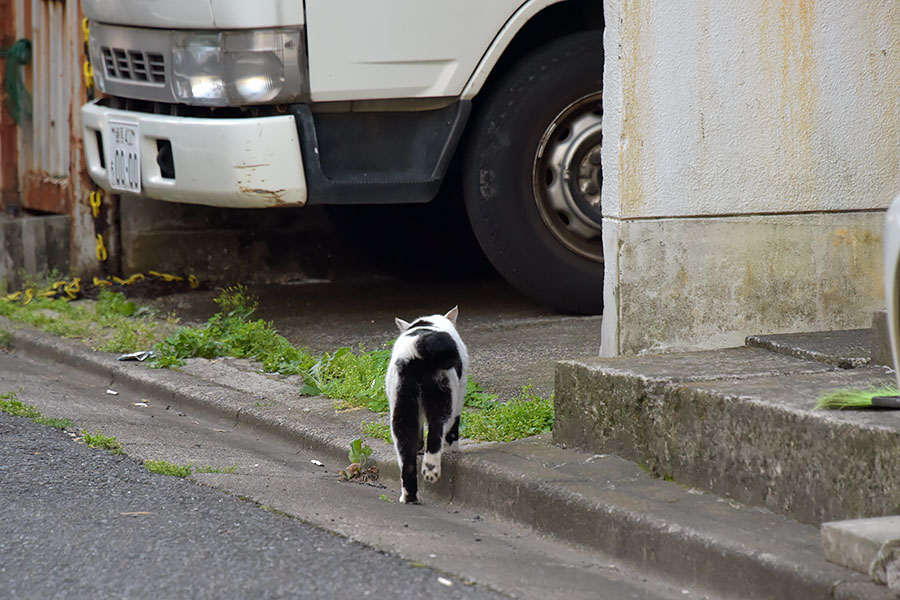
232	68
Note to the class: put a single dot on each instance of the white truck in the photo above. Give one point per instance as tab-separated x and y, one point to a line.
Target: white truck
270	103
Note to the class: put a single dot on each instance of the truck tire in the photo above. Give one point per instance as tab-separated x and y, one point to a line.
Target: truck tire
531	174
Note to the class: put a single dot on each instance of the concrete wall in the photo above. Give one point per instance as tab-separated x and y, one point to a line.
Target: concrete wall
750	151
224	246
32	248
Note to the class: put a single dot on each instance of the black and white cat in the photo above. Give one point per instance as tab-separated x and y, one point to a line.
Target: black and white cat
426	381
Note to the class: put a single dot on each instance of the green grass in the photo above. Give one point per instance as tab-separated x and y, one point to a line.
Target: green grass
476	397
378	431
102	442
524	416
55	423
110	324
230	332
164	467
353	379
10	404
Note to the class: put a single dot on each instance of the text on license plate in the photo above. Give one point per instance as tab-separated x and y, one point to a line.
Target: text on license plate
124	156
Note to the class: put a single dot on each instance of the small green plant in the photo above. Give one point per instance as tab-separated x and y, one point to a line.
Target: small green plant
164	467
524	416
237	301
378	431
476	397
10	404
359	467
103	442
384	498
359	452
5	339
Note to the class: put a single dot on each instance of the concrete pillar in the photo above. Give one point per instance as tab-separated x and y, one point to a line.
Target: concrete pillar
750	149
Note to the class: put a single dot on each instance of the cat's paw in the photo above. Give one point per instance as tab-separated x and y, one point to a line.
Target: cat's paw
431	467
407	499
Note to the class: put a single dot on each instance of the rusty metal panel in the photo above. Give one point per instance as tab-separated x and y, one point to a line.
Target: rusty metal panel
9	155
50	169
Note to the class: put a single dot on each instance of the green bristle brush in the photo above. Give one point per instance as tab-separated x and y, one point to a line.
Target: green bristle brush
886	396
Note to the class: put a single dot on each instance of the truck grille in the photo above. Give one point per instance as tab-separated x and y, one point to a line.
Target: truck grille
134	65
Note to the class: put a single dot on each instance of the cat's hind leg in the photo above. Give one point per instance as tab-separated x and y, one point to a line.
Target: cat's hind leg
406	427
431	462
437	404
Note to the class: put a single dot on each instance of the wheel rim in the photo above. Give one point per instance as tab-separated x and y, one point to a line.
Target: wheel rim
567	177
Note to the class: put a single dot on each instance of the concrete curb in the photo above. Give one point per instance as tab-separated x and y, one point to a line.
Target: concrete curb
599	501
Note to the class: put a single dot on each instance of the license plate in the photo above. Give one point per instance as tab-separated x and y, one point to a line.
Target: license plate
124	156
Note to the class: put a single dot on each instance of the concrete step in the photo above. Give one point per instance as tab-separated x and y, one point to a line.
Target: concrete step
713	545
741	423
845	349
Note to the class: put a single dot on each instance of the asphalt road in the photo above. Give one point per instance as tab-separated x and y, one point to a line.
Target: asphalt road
82	523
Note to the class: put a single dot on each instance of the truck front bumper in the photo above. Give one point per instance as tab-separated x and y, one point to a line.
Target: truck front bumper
239	163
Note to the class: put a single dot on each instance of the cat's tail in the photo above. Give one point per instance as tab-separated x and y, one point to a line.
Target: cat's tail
438	351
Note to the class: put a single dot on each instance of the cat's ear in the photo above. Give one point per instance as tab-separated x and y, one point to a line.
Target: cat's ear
401	324
451	316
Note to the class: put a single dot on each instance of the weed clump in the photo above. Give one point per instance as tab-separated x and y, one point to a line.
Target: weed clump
230	332
164	467
353	379
360	469
10	404
523	416
102	442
